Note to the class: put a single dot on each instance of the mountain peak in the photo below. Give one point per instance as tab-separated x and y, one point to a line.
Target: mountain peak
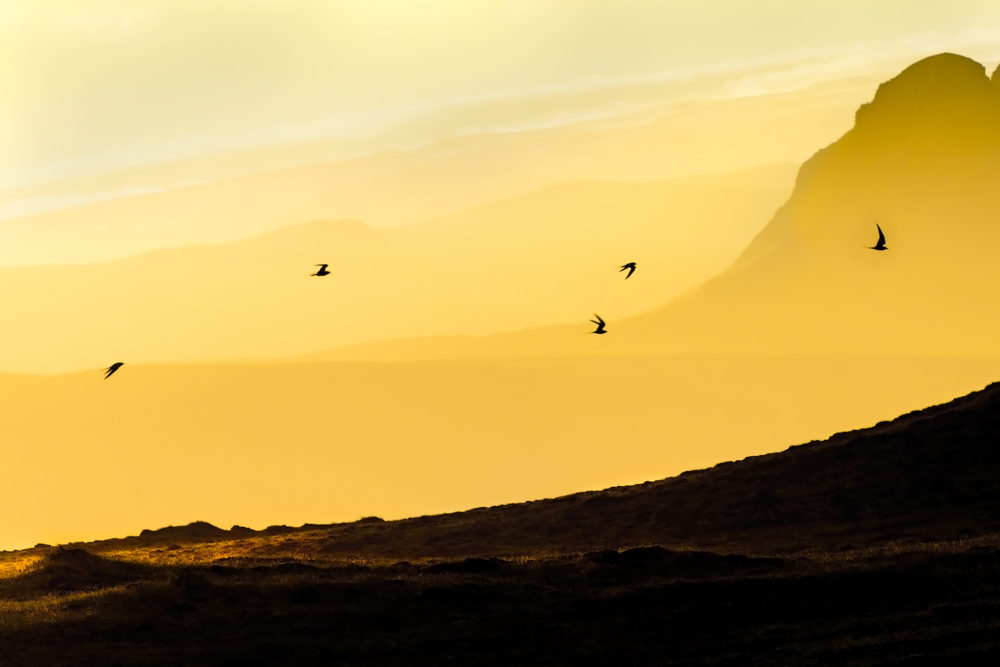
921	163
945	85
942	66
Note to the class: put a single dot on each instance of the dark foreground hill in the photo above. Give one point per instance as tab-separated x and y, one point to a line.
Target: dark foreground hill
932	474
928	475
879	546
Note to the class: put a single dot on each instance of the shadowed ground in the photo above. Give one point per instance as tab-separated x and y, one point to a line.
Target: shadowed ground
645	605
878	546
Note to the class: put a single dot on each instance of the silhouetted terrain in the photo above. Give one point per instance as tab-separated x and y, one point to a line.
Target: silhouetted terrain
875	546
537	258
324	442
933	474
878	546
920	162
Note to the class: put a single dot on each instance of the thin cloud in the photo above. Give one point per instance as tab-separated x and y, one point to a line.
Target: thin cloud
419	122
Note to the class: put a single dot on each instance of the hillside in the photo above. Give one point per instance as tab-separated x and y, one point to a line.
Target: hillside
892	532
540	258
920	162
928	475
268	443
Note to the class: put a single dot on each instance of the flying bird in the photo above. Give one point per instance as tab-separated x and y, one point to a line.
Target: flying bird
600	325
322	270
112	368
881	240
631	269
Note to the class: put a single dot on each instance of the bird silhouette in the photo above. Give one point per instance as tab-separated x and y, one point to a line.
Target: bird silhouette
600	325
881	240
631	269
112	368
322	270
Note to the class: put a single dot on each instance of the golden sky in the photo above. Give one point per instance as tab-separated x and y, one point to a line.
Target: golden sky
97	85
173	170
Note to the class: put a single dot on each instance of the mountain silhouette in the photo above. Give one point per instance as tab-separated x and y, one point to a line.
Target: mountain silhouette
935	124
921	160
450	275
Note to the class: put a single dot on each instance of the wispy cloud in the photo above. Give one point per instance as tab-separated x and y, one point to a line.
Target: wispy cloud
417	122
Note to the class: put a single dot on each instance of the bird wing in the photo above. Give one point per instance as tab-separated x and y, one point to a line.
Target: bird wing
598	321
881	236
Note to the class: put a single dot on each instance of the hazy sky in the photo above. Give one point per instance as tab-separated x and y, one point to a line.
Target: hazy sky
96	84
92	86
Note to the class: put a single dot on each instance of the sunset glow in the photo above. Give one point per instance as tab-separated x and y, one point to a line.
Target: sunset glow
474	173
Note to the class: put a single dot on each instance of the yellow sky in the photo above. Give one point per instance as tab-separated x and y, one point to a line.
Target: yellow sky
534	146
97	85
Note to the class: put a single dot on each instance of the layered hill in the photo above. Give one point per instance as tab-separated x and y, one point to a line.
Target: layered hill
391	187
921	163
539	258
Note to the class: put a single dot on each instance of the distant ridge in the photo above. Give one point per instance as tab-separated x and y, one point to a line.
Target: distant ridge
451	275
931	474
920	161
937	117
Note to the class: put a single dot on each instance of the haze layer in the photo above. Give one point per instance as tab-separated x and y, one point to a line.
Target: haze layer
921	163
260	443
